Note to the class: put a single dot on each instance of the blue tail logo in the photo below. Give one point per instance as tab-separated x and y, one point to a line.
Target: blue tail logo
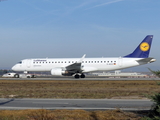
142	51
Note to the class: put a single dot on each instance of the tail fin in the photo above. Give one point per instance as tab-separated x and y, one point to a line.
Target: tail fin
143	49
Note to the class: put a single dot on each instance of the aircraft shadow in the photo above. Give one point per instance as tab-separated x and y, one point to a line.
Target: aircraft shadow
7	101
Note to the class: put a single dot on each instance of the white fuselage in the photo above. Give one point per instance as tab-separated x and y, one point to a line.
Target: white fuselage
88	64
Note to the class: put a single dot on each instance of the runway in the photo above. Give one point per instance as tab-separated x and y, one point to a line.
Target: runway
88	78
72	104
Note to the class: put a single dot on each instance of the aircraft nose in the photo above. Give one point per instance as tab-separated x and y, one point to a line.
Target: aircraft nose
14	68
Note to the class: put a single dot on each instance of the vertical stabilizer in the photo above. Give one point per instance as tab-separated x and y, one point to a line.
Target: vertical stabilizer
143	49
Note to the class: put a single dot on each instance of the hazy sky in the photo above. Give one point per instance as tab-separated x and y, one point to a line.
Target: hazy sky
71	28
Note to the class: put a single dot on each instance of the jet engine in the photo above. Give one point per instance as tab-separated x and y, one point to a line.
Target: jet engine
57	71
60	72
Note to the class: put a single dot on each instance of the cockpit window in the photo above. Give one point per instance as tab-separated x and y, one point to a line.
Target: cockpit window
20	62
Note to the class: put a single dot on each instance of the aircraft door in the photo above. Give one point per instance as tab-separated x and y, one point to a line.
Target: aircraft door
120	61
28	63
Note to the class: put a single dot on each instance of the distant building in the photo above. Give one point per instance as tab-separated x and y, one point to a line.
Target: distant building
119	74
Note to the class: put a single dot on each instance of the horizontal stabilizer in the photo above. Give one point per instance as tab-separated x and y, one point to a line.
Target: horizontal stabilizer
146	60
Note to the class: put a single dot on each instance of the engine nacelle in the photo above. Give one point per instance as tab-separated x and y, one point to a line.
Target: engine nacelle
57	71
61	72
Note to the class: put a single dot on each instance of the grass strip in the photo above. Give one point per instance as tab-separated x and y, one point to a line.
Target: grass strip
42	114
77	89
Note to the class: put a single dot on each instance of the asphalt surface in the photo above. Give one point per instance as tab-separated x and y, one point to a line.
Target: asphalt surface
72	78
85	104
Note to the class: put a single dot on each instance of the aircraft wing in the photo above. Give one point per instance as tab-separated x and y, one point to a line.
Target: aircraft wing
75	67
146	60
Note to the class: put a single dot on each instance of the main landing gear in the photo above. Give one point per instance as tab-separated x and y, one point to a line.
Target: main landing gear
79	76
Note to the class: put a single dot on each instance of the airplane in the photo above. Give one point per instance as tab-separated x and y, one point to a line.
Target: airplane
77	67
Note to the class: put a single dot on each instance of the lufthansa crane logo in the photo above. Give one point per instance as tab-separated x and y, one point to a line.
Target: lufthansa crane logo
144	46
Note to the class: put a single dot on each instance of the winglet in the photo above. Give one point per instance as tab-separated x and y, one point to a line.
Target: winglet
80	61
143	49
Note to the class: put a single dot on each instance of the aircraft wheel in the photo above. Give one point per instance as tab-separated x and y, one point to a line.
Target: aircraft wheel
83	76
16	75
76	76
28	77
33	76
